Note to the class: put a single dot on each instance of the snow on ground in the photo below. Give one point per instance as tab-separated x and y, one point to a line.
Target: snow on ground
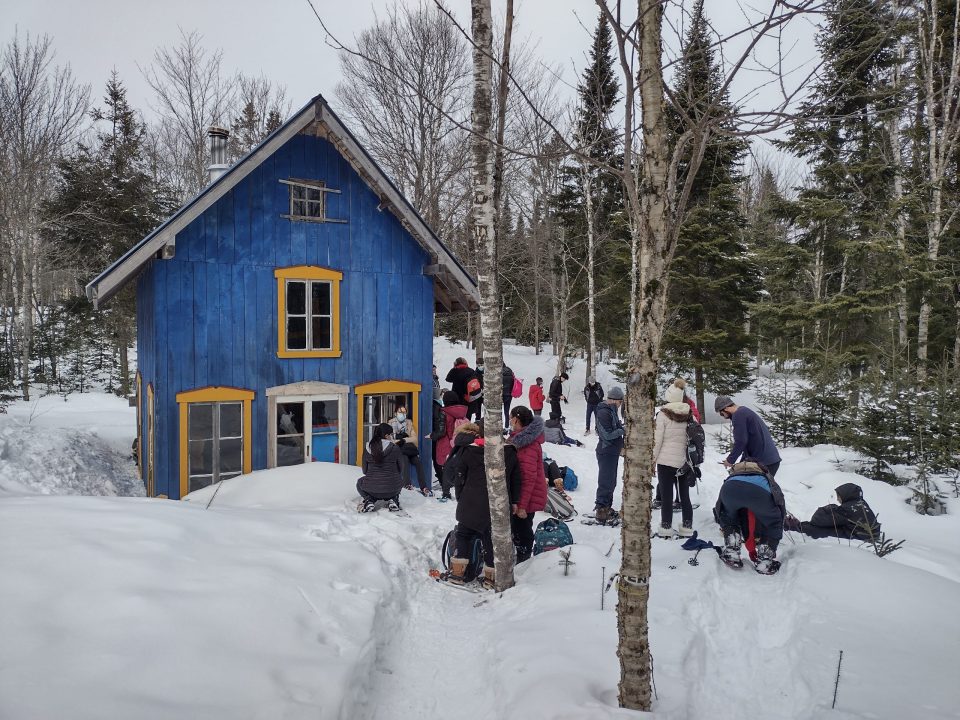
281	601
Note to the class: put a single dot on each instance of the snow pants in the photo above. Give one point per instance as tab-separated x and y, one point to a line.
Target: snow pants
507	402
607	462
736	497
374	496
522	536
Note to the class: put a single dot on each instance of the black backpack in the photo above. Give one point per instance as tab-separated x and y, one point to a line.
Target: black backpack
696	443
454	470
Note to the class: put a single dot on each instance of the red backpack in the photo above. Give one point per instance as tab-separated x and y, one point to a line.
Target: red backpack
474	390
517	387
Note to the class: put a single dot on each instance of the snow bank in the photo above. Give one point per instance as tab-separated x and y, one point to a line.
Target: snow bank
136	608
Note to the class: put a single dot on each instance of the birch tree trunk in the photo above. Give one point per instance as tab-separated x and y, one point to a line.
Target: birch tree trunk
896	154
591	293
486	242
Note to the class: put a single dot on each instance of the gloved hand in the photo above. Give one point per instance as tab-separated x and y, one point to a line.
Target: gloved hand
401	442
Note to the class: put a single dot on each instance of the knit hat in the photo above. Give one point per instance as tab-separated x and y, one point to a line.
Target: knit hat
673	394
722	402
615	393
591	380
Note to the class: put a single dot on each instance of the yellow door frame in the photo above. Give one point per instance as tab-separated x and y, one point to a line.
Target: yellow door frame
213	394
385	387
139	386
151	442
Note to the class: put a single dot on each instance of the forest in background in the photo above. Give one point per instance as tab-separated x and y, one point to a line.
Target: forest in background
845	282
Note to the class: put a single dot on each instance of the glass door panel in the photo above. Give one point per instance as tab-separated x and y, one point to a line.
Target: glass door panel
325	424
290	417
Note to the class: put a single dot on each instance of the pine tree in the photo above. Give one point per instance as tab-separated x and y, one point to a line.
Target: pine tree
105	202
713	279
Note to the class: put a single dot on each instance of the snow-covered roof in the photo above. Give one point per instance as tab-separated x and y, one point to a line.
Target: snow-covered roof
454	288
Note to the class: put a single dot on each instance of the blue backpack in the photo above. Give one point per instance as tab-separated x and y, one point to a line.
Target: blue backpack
570	481
550	535
475	566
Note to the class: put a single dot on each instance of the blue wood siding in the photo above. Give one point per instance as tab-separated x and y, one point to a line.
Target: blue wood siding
209	315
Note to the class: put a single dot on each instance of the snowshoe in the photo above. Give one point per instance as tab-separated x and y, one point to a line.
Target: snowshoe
731	558
766	563
450	580
665	532
686	531
676	506
444	498
602	516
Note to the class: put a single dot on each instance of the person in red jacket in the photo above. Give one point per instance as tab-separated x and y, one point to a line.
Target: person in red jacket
454	415
536	397
527	437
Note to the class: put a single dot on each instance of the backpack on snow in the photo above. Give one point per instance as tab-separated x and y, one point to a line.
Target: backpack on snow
475	556
550	535
570	481
474	390
558	506
517	387
696	442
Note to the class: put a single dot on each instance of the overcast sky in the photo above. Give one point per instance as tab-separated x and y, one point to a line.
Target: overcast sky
283	40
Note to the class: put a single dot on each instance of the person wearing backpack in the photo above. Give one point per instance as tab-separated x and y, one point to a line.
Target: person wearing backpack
609	446
751	436
507	393
527	437
473	500
460	376
382	465
454	415
593	394
536	397
438	429
670	456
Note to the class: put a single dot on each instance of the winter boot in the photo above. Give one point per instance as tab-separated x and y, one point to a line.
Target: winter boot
393	505
665	531
657	502
489	579
368	506
607	516
686	530
766	559
731	550
458	570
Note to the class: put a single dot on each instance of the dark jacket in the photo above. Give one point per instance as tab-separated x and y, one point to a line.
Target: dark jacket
743	470
752	439
609	429
385	478
593	394
553	432
507	376
438	427
529	445
473	501
458	377
451	413
556	388
852	518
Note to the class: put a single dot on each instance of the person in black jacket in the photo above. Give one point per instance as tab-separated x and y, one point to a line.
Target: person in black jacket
593	394
458	377
751	487
852	518
555	394
382	471
438	429
508	378
473	502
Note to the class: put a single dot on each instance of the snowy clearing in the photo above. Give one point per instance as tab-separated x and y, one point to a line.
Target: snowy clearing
281	601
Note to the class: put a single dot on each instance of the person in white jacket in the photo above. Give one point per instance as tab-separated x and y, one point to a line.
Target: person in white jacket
670	455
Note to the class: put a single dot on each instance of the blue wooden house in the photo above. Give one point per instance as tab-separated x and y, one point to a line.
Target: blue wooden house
284	311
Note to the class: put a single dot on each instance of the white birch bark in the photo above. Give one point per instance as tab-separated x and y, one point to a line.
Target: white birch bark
896	154
485	242
591	292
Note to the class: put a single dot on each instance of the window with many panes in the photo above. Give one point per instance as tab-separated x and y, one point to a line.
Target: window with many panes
214	442
308	311
309	315
307	201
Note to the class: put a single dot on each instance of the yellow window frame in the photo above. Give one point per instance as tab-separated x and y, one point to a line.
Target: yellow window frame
139	386
308	272
212	394
385	387
151	442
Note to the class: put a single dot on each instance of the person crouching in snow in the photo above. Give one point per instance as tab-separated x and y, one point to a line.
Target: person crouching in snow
670	455
749	487
473	501
852	518
527	438
382	471
553	432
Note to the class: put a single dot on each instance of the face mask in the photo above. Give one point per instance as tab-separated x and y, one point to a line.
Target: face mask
479	368
401	417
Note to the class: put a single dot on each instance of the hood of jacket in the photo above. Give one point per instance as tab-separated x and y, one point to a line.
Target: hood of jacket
678	411
530	434
462	439
849	492
455	411
746	468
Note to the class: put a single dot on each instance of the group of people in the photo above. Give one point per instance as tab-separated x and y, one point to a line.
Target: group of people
750	503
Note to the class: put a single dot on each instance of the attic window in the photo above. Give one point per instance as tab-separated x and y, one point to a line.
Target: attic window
308	200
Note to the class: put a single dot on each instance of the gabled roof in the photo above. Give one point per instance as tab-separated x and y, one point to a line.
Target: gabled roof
454	288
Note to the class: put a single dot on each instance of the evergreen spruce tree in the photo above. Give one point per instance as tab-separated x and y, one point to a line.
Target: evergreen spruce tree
713	279
105	202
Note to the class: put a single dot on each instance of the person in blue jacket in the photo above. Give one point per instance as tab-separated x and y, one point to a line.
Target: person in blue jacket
751	436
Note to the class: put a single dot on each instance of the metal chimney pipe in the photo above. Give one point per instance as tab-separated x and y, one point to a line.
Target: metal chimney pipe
218	153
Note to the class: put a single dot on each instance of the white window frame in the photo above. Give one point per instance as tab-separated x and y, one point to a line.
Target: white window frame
307	391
